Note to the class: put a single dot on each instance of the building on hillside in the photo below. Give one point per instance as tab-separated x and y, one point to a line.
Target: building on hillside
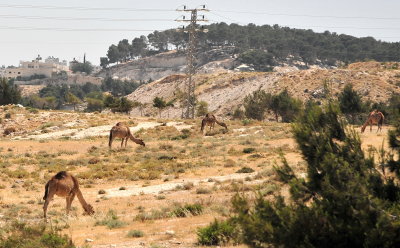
50	67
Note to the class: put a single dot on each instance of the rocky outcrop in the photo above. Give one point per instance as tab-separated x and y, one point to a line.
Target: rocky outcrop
224	91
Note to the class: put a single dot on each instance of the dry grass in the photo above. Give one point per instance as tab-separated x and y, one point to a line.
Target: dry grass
170	156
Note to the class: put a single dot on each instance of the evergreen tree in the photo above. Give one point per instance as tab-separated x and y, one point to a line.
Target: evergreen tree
9	93
350	102
202	108
256	104
343	202
160	103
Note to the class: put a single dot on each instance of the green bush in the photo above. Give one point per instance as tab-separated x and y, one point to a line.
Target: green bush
245	169
217	233
22	235
249	150
188	210
111	220
135	234
201	108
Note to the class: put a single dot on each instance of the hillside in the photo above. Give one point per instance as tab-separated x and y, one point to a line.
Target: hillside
161	65
225	90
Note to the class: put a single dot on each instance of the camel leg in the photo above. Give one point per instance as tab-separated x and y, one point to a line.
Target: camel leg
69	199
46	203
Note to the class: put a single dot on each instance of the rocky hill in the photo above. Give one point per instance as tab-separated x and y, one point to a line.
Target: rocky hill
225	90
164	64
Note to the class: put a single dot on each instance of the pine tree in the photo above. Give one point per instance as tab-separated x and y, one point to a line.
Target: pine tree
343	202
350	102
9	93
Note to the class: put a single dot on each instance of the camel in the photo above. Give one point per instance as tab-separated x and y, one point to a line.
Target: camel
375	117
210	120
121	130
9	130
65	185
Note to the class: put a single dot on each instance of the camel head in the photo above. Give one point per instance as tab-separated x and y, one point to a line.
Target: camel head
89	209
140	142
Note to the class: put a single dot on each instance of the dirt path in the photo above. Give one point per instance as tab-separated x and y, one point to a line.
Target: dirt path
156	189
96	131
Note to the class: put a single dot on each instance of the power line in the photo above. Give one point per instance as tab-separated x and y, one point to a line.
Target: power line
81	18
53	7
311	16
78	29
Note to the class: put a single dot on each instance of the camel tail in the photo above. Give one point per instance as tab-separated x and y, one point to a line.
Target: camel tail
110	139
222	124
46	191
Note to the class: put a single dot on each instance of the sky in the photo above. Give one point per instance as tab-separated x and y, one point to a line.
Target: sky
68	29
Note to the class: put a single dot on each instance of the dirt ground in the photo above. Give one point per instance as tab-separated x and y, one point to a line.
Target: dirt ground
143	186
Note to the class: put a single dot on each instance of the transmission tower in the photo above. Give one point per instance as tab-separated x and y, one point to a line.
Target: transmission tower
190	55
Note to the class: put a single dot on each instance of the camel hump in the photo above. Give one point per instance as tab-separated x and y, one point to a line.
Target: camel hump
61	175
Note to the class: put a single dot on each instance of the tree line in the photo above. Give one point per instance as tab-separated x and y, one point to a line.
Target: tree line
263	46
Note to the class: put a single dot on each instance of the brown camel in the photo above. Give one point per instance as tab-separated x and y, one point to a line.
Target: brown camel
65	185
374	118
9	130
210	120
121	130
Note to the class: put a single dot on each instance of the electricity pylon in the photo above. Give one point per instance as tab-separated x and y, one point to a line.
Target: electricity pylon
190	56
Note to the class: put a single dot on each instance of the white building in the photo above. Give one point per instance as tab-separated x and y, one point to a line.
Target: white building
48	68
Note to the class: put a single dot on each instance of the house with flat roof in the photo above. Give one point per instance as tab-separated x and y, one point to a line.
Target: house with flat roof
48	68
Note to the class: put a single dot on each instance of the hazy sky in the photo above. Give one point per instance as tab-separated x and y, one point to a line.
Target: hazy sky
68	29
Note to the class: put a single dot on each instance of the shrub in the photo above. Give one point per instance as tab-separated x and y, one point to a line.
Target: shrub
111	220
238	114
23	235
217	233
201	108
188	210
249	150
135	234
203	191
245	169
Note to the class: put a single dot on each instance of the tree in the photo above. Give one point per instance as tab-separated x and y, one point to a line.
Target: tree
350	102
124	49
9	92
285	106
113	54
202	108
86	67
104	62
256	104
94	105
72	99
343	202
158	102
138	47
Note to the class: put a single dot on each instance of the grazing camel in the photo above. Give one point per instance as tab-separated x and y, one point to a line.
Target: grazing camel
210	120
9	130
65	185
375	117
121	130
